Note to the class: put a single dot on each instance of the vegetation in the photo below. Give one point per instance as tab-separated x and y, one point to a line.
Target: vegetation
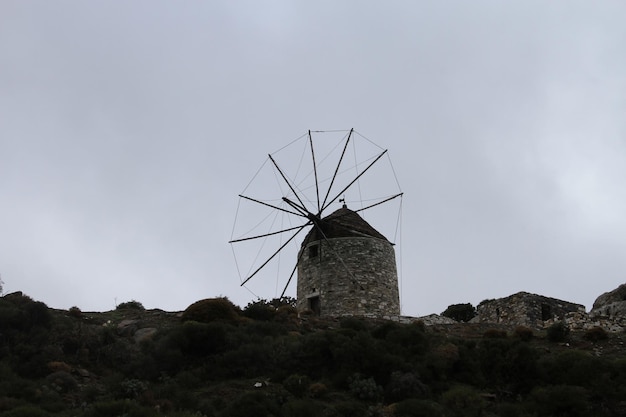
216	360
460	312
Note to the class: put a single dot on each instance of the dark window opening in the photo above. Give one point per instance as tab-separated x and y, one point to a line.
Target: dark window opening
314	251
314	305
546	312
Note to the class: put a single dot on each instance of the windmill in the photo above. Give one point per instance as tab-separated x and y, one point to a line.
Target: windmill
307	203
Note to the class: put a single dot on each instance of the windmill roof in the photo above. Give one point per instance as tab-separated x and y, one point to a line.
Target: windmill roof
342	223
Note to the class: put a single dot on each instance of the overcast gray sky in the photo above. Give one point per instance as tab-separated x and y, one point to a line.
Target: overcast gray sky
127	129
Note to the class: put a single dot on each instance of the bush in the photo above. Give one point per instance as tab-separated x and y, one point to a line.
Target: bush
318	390
403	385
198	339
524	333
252	404
560	400
558	332
75	312
26	411
595	334
417	408
460	312
260	310
298	385
119	408
494	334
365	389
130	305
211	309
463	401
303	408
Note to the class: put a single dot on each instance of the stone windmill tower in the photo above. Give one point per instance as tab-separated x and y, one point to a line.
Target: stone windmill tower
346	267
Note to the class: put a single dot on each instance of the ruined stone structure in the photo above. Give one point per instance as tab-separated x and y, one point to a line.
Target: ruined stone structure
526	309
346	267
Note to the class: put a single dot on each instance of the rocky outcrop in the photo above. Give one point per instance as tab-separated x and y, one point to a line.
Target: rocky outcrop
611	304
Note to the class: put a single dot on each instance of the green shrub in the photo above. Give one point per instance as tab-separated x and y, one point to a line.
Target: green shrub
130	305
460	312
558	332
211	309
595	334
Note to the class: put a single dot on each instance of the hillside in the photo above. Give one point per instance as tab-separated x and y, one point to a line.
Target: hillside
216	359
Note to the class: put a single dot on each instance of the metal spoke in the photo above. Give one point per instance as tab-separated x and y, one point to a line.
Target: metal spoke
264	235
354	180
270	205
319	213
275	253
287	181
380	202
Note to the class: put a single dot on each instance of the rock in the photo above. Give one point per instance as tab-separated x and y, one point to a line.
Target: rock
127	327
618	294
145	334
611	304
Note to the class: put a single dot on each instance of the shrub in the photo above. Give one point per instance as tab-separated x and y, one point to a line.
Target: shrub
303	408
463	401
252	404
260	310
558	332
460	312
350	409
26	411
211	309
195	338
75	312
298	385
318	390
130	305
595	334
417	408
365	389
524	333
354	323
403	385
119	408
560	400
494	334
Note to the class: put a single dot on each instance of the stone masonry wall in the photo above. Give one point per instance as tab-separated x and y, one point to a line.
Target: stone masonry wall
526	309
349	276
